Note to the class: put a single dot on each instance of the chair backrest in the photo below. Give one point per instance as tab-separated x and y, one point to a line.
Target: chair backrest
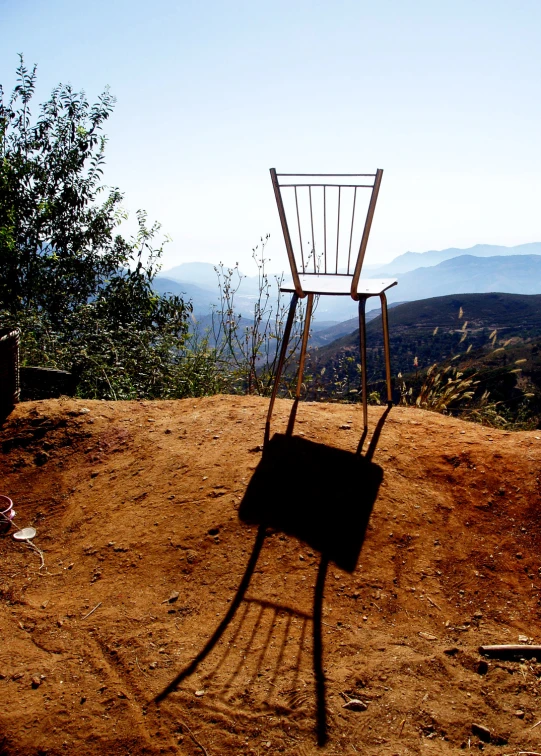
330	216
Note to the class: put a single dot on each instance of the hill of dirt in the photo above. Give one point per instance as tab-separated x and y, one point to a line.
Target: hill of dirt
197	598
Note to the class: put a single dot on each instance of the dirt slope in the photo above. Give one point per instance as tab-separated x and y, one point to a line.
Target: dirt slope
136	507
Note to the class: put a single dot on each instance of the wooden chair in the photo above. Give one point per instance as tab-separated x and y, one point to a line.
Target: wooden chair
330	215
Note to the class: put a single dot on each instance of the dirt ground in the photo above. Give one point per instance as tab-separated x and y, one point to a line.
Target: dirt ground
160	582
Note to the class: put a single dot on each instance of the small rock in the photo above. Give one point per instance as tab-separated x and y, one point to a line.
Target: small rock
17	675
519	713
482	668
173	597
345	427
355	705
36	681
478	615
523	639
428	636
153	665
121	694
518	555
482	732
84	411
199	693
41	458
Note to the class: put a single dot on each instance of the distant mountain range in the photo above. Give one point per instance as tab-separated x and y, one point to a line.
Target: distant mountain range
480	269
201	298
412	260
467	274
199	283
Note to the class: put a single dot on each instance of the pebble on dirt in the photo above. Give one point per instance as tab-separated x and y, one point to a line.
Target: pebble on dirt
482	732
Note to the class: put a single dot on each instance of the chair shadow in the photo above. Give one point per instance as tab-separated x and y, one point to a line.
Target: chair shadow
322	496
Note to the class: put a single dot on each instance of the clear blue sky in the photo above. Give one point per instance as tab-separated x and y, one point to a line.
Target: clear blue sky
444	95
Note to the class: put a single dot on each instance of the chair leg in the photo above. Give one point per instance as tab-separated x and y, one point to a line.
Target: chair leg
281	360
305	334
387	349
364	380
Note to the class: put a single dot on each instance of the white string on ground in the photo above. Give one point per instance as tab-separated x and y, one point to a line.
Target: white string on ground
32	546
35	548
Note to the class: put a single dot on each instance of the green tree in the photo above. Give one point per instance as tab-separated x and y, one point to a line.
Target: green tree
80	291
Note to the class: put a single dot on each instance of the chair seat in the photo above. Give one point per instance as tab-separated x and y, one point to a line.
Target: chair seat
324	283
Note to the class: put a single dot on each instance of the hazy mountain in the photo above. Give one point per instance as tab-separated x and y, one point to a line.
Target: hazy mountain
326	335
199	282
518	273
412	260
201	298
515	274
202	274
205	275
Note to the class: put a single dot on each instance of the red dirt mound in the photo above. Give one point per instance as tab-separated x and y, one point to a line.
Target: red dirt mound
178	564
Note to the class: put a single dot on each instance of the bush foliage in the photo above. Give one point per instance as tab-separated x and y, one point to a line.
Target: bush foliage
81	293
